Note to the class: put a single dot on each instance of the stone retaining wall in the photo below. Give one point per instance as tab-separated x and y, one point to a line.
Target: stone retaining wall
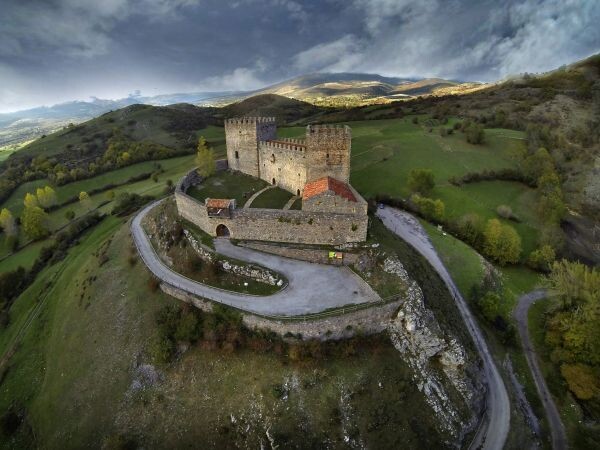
366	321
302	254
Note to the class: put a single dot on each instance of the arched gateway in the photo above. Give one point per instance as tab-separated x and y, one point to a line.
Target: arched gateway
223	231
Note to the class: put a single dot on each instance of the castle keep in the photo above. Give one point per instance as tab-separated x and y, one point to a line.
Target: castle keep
253	148
316	168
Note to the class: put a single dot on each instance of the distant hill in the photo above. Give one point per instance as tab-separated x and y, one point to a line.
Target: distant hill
172	126
285	110
21	126
355	89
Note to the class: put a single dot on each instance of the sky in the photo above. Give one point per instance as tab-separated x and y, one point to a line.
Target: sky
53	51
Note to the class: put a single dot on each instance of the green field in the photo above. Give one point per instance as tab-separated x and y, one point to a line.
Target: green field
385	151
274	198
467	269
228	185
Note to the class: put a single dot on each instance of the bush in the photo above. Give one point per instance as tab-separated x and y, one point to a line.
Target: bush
430	209
69	214
542	258
501	242
127	203
475	133
421	181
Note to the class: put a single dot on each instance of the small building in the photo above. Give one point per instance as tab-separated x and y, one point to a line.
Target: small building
219	207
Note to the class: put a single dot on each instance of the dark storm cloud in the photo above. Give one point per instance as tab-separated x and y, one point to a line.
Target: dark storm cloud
55	50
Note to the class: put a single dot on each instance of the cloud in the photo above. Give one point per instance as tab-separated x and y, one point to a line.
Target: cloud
239	79
468	40
77	28
340	54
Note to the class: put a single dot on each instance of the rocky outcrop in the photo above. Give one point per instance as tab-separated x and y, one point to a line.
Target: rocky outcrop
439	362
257	273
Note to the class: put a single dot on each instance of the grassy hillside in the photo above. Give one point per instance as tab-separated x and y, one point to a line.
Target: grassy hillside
83	375
284	109
172	126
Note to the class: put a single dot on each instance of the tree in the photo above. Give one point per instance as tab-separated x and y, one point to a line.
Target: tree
429	208
581	380
489	305
475	133
46	197
205	159
8	222
110	195
85	200
542	258
501	242
34	220
470	228
30	200
421	181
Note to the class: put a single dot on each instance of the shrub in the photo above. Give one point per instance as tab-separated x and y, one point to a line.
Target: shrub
542	258
69	214
429	208
421	181
501	242
506	212
475	133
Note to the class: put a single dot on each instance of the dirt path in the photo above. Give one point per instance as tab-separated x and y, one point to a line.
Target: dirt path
557	430
495	426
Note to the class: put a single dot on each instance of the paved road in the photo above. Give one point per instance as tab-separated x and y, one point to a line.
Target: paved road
494	430
557	430
312	288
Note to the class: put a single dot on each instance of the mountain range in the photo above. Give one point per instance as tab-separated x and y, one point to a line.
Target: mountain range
322	89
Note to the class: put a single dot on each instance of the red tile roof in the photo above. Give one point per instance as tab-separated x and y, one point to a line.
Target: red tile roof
327	184
218	203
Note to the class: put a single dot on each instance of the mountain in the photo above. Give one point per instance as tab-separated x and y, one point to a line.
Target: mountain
22	126
321	89
355	89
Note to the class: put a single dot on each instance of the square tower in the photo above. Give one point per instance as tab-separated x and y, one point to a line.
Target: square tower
242	136
328	152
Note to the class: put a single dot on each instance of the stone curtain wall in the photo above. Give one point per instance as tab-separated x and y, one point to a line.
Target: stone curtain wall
285	163
257	224
372	320
242	136
328	152
329	202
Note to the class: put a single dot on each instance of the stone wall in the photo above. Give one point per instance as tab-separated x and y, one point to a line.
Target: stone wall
366	321
283	164
303	254
328	201
254	149
242	136
257	224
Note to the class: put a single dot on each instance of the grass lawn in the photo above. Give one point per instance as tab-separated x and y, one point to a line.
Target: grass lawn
467	269
274	198
228	185
384	152
297	205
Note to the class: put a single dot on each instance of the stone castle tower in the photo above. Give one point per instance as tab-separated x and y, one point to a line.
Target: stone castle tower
253	148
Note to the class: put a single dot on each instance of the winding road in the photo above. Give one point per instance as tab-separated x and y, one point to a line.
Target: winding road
312	288
557	430
493	432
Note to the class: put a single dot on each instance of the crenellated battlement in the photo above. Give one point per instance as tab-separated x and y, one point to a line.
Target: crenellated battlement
329	129
293	141
249	120
280	144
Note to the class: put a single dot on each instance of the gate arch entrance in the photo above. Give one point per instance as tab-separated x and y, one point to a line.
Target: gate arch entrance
223	231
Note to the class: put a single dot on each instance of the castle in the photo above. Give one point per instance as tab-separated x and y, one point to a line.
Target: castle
316	168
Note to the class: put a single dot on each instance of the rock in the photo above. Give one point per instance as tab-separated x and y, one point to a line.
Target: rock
434	358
